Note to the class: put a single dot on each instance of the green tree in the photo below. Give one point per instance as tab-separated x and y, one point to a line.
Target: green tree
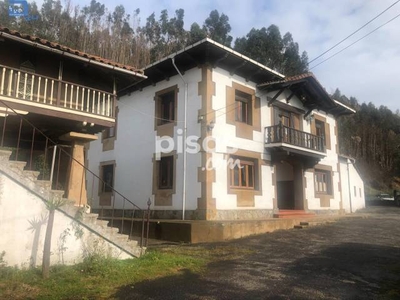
52	205
196	34
218	28
267	46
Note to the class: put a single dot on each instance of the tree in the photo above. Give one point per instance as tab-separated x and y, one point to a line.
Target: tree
217	28
196	34
52	205
266	46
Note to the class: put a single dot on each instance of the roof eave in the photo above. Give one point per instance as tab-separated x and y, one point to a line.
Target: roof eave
71	55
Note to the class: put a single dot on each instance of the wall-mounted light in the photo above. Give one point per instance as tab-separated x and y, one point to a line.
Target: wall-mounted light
310	118
210	126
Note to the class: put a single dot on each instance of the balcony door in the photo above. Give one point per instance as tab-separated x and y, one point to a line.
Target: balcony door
289	120
25	87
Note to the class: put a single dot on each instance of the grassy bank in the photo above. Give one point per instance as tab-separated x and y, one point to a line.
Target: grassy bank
100	278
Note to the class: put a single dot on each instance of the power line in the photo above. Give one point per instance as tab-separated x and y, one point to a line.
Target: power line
354	32
355	41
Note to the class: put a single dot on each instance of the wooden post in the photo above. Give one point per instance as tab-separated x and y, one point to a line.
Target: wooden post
60	75
114	98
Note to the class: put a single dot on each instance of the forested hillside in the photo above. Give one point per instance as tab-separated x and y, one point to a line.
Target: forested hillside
123	37
372	136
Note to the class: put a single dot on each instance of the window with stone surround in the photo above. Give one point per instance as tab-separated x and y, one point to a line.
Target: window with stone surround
166	172
166	107
107	176
243	108
243	175
323	182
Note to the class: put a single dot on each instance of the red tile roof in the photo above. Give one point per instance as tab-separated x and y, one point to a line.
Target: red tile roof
67	49
291	78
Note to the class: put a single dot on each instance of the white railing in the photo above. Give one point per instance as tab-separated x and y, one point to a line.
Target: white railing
31	87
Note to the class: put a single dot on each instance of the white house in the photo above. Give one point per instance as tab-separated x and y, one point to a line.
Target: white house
258	144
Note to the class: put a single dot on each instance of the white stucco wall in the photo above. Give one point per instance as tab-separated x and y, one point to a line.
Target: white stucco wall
225	137
135	145
23	223
331	159
357	199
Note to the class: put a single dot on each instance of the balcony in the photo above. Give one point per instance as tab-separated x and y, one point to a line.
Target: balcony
294	140
33	90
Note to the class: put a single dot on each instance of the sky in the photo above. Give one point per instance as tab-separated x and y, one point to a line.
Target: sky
369	70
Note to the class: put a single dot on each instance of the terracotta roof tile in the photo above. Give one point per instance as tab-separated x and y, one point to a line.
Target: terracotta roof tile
291	78
67	49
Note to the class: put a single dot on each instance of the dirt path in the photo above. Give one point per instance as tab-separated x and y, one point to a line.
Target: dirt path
353	258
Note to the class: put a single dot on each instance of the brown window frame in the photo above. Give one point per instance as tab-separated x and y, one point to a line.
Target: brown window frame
107	187
248	168
109	133
168	163
320	174
166	114
243	107
320	130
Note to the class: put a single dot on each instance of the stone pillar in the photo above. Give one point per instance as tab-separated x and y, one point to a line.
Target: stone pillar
76	176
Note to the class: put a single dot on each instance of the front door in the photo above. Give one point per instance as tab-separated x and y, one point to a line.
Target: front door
285	193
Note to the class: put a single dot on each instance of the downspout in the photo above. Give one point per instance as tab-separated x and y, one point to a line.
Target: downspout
348	180
184	140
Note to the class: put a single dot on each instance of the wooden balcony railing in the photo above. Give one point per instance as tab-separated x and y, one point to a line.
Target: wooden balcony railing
32	87
278	134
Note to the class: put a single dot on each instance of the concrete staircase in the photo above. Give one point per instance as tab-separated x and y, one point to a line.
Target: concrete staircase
42	188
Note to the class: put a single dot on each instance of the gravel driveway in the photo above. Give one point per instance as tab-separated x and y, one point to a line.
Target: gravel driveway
353	258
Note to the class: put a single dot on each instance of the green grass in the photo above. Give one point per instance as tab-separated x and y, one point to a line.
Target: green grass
100	278
95	278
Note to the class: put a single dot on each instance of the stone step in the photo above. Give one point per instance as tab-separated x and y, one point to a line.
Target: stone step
298	226
56	194
90	218
5	155
46	184
304	223
17	165
32	175
113	230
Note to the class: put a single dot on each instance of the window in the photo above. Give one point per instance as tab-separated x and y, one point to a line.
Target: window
320	129
285	119
166	172
322	182
355	191
109	133
360	192
243	176
243	107
166	108
107	175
